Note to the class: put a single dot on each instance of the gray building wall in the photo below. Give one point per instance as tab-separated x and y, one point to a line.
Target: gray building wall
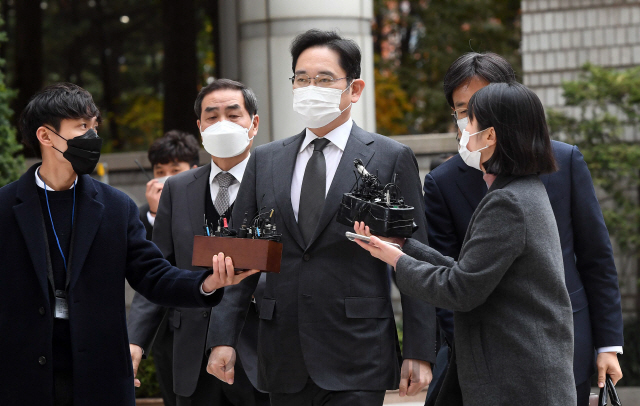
558	38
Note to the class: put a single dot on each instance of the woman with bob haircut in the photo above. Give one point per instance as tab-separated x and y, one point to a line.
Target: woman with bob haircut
512	314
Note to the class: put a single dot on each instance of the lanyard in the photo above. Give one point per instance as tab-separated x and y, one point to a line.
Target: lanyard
73	210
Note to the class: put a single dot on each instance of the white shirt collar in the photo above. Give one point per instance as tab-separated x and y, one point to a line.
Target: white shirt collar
237	171
338	136
40	183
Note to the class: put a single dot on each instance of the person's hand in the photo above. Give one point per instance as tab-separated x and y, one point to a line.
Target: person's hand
363	229
221	363
378	248
154	188
415	375
607	363
136	357
224	274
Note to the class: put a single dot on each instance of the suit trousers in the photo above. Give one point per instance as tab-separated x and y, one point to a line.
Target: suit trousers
313	395
210	391
162	351
63	389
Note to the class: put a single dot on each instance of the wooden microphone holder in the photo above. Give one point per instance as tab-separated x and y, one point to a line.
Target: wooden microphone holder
246	253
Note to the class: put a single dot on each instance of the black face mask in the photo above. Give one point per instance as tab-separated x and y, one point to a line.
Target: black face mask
82	152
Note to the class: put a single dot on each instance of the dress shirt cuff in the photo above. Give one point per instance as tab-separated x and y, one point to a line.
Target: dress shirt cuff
151	218
205	293
616	349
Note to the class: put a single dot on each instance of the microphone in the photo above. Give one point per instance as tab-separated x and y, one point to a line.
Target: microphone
360	168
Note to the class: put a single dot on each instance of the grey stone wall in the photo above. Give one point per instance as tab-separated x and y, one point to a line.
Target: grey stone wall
558	37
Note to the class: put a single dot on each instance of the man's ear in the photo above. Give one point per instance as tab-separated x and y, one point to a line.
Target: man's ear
357	86
254	130
43	136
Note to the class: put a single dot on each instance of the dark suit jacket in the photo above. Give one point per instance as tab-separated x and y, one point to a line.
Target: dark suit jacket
328	313
143	217
453	191
512	314
109	245
179	218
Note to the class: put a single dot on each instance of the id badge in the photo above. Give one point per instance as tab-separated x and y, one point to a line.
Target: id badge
62	307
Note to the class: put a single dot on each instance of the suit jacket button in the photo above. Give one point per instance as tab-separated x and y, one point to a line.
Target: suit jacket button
42	360
205	314
306	257
41	311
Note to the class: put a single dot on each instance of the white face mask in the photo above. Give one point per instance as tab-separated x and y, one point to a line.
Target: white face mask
471	158
318	106
462	123
225	139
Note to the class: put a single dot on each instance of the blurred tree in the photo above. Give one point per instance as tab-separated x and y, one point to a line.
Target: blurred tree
180	70
418	40
11	165
604	126
28	52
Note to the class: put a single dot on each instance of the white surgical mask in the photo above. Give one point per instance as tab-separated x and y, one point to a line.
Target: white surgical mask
462	123
471	158
225	139
318	106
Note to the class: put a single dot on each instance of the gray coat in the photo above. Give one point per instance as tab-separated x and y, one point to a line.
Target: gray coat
512	314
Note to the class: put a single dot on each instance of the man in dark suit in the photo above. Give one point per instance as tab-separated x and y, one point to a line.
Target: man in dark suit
454	190
327	331
169	155
68	243
227	116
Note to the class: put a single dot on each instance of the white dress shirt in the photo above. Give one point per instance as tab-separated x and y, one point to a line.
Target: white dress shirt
237	172
332	155
40	183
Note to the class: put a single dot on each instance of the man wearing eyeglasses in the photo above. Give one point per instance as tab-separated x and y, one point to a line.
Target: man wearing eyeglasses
454	190
327	330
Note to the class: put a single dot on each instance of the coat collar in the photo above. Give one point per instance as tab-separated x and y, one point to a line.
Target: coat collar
28	213
195	197
470	182
502	181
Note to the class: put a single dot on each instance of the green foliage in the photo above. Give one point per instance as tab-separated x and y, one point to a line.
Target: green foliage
11	165
630	361
607	103
149	386
418	40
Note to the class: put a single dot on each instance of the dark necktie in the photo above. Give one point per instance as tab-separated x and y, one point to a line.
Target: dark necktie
312	193
222	202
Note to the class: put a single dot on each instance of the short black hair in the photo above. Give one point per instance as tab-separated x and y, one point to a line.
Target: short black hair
51	105
175	146
250	99
489	66
348	50
523	145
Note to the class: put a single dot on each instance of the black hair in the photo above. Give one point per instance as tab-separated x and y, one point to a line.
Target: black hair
51	105
489	66
348	50
250	99
523	145
175	146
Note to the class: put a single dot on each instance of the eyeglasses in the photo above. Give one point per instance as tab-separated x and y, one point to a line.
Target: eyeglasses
459	114
304	80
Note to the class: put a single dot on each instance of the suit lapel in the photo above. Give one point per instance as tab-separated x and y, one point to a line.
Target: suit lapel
284	162
28	215
195	198
89	213
358	146
470	183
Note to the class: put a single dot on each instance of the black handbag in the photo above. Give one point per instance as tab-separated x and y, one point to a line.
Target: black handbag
608	393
